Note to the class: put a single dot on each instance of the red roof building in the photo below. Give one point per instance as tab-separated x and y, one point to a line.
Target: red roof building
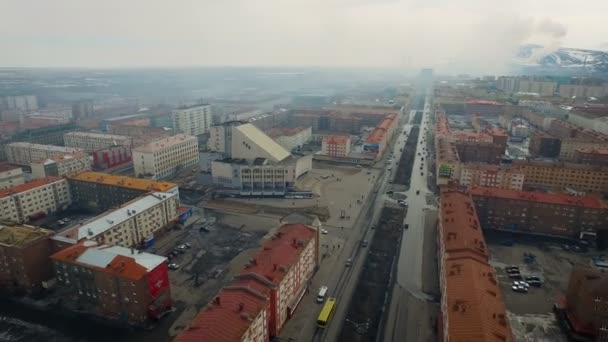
260	299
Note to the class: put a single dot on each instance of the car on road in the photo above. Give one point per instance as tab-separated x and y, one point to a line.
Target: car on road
66	220
364	243
417	192
173	266
521	289
390	182
188	245
515	276
390	192
402	203
324	232
406	226
349	262
358	166
390	168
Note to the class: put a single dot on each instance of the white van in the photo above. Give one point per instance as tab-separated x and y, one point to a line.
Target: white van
321	295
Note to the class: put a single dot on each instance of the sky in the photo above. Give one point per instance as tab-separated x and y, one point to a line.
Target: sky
465	35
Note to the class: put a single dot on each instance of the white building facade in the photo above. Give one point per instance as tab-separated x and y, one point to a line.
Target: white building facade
165	157
10	176
95	141
192	120
66	165
491	176
24	153
36	198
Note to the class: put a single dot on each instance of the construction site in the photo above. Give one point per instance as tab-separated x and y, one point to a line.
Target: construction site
367	305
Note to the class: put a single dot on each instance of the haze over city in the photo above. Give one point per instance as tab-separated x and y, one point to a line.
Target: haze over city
476	36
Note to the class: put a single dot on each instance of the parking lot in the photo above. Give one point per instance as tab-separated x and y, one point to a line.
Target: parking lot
530	311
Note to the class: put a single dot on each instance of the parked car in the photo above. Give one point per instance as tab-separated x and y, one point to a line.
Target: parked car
406	226
515	276
173	266
188	245
390	192
349	262
402	203
519	288
364	243
323	231
417	192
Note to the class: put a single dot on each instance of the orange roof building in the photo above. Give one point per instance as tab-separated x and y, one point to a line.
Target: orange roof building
259	301
97	274
336	145
471	302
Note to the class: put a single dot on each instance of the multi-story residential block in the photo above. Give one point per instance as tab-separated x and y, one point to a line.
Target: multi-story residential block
592	156
491	176
552	214
23	103
378	139
447	162
10	176
95	141
23	153
46	135
560	176
192	120
135	224
513	84
83	110
569	147
60	166
336	145
292	137
544	145
268	290
165	157
585	305
113	157
472	308
34	199
100	191
141	134
582	91
472	149
24	258
115	282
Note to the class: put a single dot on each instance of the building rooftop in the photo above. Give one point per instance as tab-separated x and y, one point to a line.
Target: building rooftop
19	235
126	117
594	151
124	181
256	136
227	317
540	197
192	106
473	304
279	254
497	132
110	219
484	102
8	167
463	136
120	261
445	150
47	147
164	143
285	131
29	186
336	139
97	135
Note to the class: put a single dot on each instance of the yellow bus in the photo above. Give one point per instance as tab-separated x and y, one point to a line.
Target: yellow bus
326	312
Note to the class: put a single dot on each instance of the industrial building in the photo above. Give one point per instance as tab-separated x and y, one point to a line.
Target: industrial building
24	153
163	158
10	176
192	120
584	308
267	291
34	199
61	166
95	141
134	224
551	214
115	282
472	307
100	191
24	258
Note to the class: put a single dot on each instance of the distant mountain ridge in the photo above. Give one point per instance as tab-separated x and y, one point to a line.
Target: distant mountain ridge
562	60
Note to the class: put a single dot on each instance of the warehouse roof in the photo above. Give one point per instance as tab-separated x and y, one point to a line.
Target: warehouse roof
124	181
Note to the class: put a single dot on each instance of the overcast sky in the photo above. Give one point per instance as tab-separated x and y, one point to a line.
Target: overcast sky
480	35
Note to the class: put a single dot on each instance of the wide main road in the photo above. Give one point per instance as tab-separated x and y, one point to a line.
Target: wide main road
345	278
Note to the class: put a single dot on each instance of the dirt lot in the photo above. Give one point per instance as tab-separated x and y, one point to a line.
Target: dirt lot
531	313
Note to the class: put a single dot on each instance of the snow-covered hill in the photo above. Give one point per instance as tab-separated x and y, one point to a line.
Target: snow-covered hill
566	59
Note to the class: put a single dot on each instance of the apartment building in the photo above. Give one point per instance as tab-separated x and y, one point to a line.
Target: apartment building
513	84
24	153
192	120
560	176
336	145
491	176
447	161
95	141
24	258
113	157
585	305
34	199
472	307
10	176
61	166
99	191
569	147
165	157
115	282
141	134
544	145
592	156
135	224
268	290
377	140
23	103
582	91
291	137
551	214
